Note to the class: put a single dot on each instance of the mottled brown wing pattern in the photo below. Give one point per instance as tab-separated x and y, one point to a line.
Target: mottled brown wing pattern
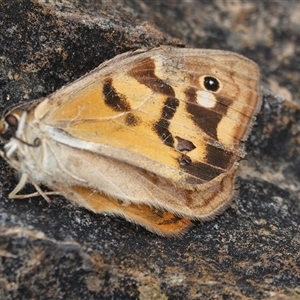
193	107
154	136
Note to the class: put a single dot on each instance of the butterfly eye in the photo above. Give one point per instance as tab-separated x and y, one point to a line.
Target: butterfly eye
12	121
10	127
211	84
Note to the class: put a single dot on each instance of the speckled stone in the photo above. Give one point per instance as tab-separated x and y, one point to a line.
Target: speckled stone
60	251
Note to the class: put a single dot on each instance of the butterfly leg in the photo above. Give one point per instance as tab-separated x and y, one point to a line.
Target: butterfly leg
22	182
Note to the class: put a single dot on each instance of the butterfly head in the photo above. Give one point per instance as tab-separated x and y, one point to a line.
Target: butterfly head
12	132
9	125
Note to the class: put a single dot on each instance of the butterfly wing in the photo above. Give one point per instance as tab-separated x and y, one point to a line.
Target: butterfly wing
159	221
181	114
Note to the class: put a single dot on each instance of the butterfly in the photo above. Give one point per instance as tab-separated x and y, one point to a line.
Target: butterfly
154	136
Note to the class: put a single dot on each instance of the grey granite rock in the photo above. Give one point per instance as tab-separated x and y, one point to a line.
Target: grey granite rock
60	251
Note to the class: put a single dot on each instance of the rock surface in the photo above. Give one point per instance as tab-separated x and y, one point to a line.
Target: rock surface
60	251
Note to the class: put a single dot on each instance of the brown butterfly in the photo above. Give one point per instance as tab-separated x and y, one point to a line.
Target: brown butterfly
154	136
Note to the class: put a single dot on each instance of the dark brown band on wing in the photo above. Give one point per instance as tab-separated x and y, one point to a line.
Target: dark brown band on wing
113	99
207	119
161	127
220	158
201	170
144	73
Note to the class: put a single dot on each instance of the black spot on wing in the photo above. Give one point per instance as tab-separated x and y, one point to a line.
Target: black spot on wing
184	145
161	127
132	120
144	73
113	99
